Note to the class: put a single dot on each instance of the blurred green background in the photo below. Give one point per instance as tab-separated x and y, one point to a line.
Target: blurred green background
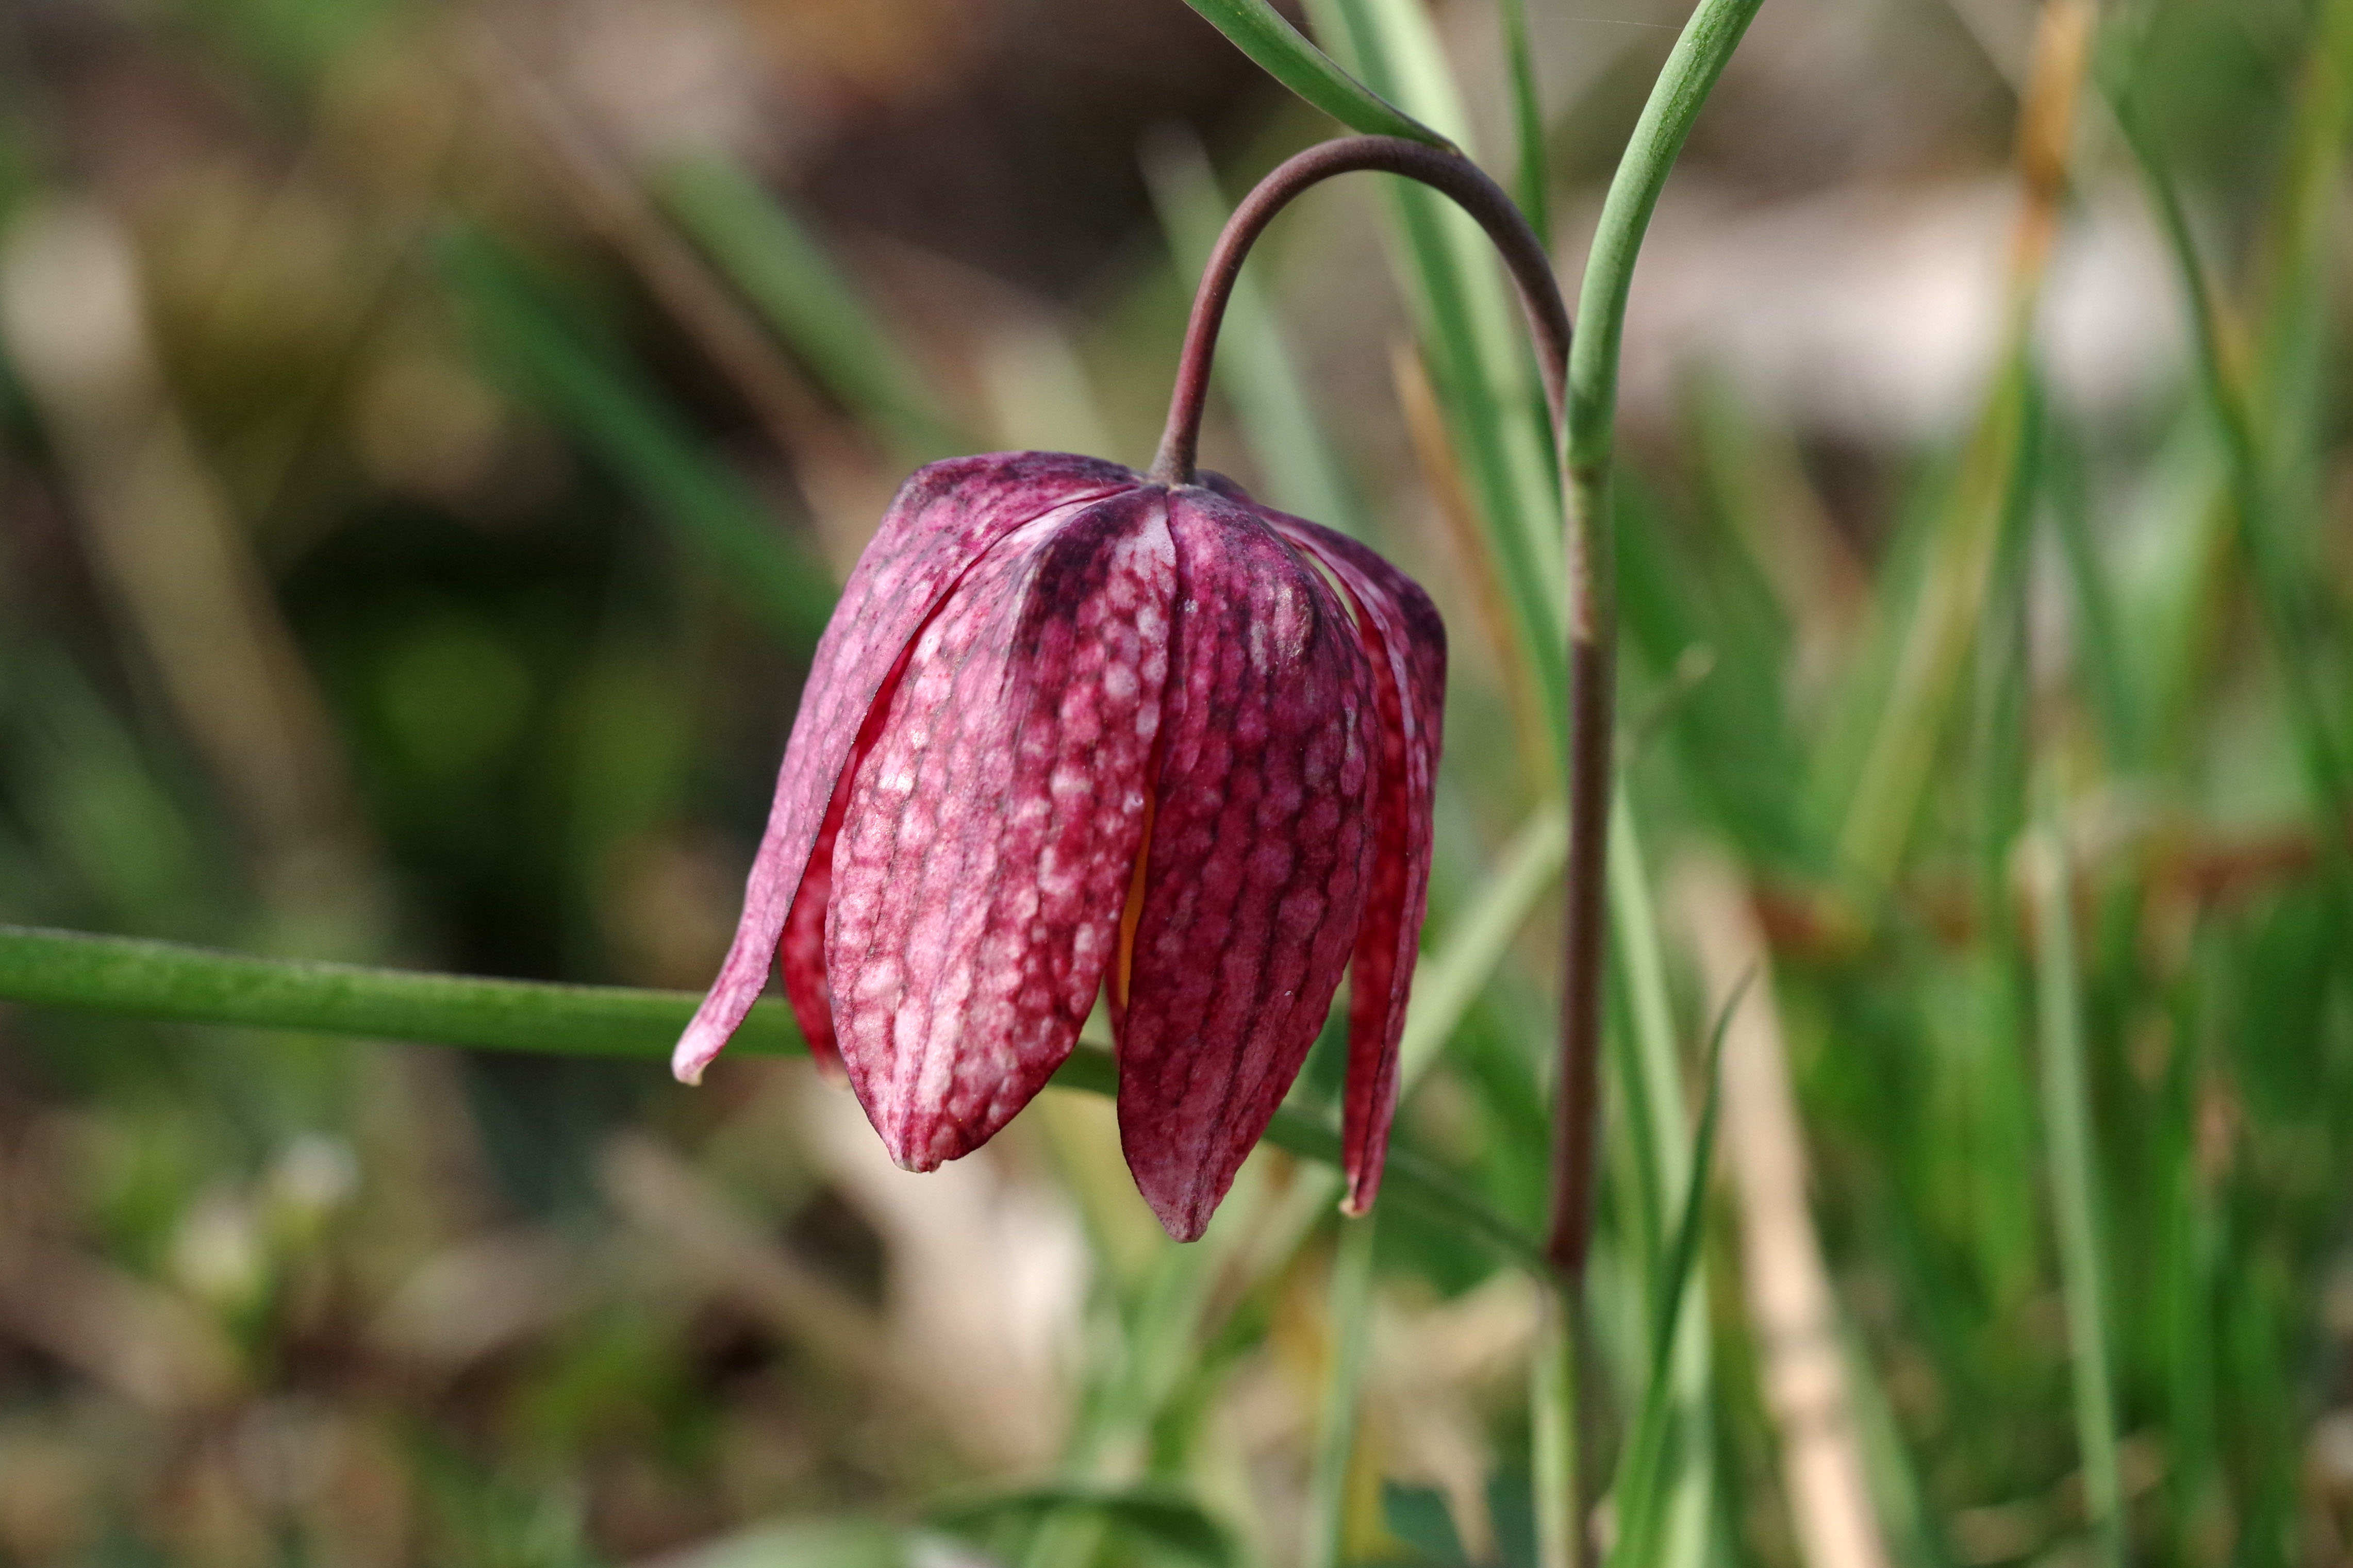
430	437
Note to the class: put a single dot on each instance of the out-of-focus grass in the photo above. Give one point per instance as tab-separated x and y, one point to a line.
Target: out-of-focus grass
549	579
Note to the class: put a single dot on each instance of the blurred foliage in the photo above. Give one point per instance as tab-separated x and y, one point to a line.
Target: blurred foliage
429	436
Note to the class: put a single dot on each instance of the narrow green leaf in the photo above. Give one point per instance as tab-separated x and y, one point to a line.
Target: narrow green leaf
1643	1494
1997	482
2100	640
179	984
621	424
1649	1080
1532	183
1336	1441
2083	1248
1259	31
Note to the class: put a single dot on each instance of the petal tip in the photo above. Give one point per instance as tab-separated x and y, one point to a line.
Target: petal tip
1184	1213
695	1049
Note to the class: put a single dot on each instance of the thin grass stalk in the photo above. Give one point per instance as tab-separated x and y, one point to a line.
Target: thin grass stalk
2067	1131
1531	182
1329	1488
1556	1407
1675	1471
1664	1506
1942	624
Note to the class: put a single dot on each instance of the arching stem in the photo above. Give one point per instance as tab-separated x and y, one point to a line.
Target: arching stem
1592	607
1452	175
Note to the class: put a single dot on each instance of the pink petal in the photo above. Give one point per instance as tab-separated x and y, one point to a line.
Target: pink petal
1406	641
943	519
992	830
1259	856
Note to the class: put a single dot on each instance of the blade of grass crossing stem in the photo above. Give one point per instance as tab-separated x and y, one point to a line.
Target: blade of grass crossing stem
769	253
1651	1088
1280	49
1330	1492
1253	369
621	423
1532	183
1643	1495
2067	1132
168	982
1472	343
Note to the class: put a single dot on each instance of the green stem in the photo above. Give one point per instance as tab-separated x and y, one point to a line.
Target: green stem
1531	183
2067	1127
1336	1444
1553	1401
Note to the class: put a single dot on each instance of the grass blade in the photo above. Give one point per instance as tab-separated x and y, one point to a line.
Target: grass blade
1643	1494
1533	181
1280	49
2067	1127
1328	1489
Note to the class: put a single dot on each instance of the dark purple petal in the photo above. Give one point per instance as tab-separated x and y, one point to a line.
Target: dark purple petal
944	518
1255	880
993	827
1407	642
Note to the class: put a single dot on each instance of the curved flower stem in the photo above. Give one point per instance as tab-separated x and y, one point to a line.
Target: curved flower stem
1452	175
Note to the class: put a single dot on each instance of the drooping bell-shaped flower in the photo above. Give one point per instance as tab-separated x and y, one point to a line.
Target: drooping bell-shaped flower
1069	732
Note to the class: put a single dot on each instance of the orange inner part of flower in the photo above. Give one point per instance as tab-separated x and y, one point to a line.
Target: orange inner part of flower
1124	959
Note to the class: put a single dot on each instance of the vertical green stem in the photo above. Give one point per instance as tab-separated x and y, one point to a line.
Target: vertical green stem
2067	1128
1335	1444
1554	1405
1531	183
